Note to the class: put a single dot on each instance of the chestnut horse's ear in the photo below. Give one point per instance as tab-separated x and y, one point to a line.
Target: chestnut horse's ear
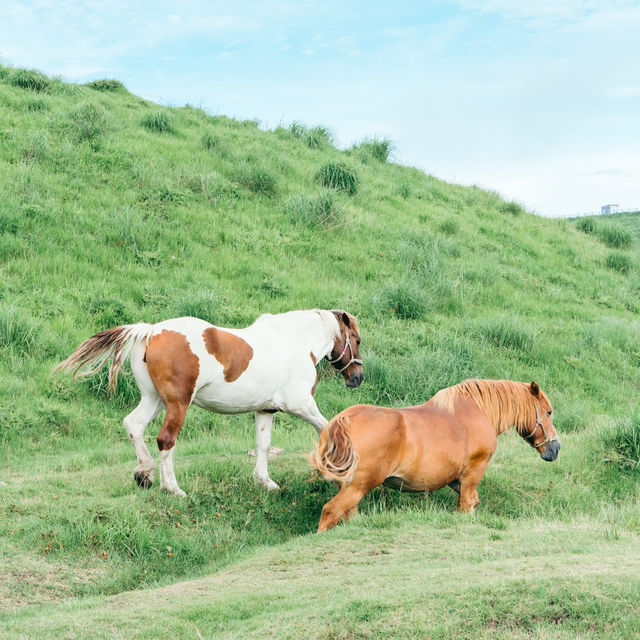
344	316
535	389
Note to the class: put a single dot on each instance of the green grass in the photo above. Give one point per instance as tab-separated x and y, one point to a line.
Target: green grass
379	149
317	209
338	176
106	220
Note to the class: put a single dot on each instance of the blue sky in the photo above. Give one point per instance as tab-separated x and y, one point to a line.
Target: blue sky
539	101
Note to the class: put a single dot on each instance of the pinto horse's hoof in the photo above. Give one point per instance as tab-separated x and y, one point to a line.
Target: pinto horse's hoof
143	479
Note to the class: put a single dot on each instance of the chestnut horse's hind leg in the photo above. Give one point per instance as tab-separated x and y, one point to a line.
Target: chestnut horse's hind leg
135	424
344	505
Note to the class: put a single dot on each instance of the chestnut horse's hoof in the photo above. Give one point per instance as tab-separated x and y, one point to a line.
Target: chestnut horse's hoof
143	479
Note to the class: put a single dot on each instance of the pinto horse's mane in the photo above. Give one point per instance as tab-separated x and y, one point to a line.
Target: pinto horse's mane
506	403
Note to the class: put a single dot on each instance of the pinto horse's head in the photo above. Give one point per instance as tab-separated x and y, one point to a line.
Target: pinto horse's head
345	355
539	431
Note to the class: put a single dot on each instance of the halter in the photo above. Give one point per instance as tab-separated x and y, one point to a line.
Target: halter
539	425
347	345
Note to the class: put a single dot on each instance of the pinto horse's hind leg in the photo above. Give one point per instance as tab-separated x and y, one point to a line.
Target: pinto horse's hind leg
135	424
176	414
173	368
264	423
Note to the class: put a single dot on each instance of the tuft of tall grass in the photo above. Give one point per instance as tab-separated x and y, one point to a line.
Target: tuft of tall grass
319	209
618	261
257	180
37	105
615	237
318	137
622	444
512	207
449	227
106	85
586	225
404	191
89	122
17	330
405	300
38	146
206	305
507	333
108	312
380	149
338	176
158	121
30	79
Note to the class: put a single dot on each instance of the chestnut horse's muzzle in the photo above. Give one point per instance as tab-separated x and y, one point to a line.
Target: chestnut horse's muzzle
551	452
355	380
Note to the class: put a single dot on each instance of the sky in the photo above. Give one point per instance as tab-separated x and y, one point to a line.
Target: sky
539	101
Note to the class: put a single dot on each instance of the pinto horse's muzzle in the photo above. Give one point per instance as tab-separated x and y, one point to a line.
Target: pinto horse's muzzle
551	452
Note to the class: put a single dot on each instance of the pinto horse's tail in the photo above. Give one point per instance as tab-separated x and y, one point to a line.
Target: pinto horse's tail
334	456
95	353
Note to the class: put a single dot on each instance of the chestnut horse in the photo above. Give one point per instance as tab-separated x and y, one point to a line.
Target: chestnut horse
447	441
267	367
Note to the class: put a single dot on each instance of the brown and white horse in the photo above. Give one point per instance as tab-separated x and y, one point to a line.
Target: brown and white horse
267	367
447	441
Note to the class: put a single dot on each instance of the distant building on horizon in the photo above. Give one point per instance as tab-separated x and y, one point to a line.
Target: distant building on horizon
609	208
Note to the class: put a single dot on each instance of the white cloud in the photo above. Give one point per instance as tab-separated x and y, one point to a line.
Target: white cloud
572	16
629	91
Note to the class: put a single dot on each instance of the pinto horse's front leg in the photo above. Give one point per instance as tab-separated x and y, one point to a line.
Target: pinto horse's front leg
264	423
310	413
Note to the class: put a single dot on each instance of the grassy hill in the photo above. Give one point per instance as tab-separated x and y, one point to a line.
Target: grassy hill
115	210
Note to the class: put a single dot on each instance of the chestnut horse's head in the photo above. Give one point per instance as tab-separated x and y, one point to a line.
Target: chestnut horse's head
345	355
541	433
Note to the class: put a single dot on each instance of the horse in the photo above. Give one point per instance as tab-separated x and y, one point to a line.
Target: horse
447	441
267	367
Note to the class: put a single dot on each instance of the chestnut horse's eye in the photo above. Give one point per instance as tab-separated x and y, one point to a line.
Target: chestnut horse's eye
549	413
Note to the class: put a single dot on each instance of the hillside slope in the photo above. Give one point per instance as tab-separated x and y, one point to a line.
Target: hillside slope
115	210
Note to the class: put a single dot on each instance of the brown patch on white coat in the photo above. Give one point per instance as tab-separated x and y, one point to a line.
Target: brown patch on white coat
233	353
173	369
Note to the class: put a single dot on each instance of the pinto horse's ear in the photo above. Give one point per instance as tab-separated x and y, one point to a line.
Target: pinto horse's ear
344	316
535	389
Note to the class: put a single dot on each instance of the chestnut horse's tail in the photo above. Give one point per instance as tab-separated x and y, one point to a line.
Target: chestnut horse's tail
95	353
334	456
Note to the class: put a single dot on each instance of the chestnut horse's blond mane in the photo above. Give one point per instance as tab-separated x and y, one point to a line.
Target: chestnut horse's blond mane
506	403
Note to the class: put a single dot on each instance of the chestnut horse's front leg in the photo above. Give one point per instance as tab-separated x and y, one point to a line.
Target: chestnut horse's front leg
469	481
344	505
